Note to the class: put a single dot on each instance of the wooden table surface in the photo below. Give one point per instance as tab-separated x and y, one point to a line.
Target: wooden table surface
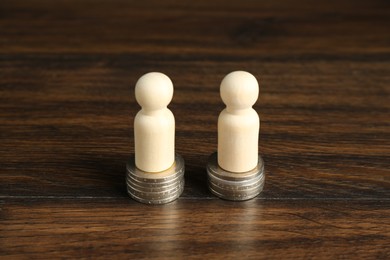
67	75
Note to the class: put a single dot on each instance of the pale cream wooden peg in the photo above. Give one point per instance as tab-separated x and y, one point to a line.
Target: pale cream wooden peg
236	171
156	174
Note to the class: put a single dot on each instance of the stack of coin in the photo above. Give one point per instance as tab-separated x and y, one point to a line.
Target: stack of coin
155	188
232	185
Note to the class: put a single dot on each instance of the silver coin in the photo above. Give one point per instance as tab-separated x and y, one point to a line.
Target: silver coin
236	193
152	193
235	186
156	196
147	188
132	179
234	196
232	190
158	201
155	188
218	172
176	169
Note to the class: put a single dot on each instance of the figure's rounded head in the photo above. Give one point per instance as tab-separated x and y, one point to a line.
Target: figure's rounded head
154	91
239	90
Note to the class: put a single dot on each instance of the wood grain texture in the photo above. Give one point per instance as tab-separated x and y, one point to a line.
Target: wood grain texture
67	76
197	229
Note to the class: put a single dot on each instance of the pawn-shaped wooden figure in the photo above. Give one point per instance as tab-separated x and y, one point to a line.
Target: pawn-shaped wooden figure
156	175
236	171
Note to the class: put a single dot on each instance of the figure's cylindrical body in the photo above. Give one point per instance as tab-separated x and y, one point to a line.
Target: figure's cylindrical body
238	137
156	174
154	138
236	171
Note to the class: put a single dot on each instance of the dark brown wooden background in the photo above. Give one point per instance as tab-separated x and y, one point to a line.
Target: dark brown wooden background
67	75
